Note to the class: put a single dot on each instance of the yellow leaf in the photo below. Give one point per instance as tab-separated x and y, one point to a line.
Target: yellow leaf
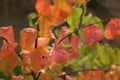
45	26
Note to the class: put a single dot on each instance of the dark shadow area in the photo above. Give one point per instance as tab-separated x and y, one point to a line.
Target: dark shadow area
14	12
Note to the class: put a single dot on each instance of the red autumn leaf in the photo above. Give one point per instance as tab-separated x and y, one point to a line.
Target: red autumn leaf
43	7
8	34
63	33
74	43
92	34
112	29
45	26
9	54
27	38
36	61
60	54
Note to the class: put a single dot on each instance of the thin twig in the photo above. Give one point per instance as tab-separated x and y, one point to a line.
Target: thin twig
34	75
64	38
15	50
36	41
38	75
77	29
18	55
81	17
82	71
4	39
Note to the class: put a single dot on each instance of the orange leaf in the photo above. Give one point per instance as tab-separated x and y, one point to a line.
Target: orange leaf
26	62
8	52
112	29
43	7
45	26
62	9
89	75
92	34
7	33
36	61
98	75
27	38
42	43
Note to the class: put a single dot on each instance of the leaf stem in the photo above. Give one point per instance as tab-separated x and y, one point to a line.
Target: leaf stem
34	75
36	41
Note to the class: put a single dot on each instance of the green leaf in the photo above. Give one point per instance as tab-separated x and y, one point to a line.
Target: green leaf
89	19
18	70
32	16
74	19
3	76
